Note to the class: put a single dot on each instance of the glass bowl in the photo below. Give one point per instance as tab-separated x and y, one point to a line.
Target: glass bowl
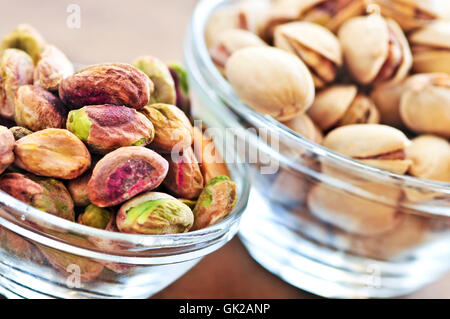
44	256
321	221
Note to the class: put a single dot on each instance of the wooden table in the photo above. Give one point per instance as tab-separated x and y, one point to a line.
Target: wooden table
119	31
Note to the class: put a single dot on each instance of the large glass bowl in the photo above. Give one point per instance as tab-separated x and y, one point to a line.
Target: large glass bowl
323	222
44	256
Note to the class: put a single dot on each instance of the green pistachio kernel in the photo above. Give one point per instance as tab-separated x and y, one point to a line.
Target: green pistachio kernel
78	123
94	216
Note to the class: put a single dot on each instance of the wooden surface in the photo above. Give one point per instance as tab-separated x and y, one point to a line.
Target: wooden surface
119	31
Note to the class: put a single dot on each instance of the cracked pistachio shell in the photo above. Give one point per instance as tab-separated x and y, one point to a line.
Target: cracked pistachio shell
78	189
107	83
159	73
52	68
271	81
215	202
375	49
46	194
353	213
38	109
124	173
96	217
172	127
154	213
303	125
25	38
315	45
430	156
184	177
19	132
425	106
53	153
105	128
362	111
208	156
16	69
376	145
7	142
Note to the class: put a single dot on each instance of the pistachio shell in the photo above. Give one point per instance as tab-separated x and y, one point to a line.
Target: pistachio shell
16	69
304	126
19	132
435	34
38	109
25	38
432	61
271	81
6	148
154	213
361	111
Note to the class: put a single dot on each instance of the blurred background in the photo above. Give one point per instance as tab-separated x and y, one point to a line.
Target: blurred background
119	31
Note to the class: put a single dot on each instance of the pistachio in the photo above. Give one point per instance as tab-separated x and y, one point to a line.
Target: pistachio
215	202
184	177
188	202
16	69
25	38
353	213
46	194
6	148
271	81
318	48
159	73
431	48
124	173
53	153
229	42
96	217
430	156
52	68
424	106
78	189
20	247
210	161
361	111
377	145
180	78
38	109
303	125
172	128
107	83
105	128
375	49
154	213
19	132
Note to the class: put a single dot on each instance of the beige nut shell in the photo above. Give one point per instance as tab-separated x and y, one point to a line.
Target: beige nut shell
303	125
271	81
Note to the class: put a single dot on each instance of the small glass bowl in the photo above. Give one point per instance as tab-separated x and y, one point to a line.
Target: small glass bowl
44	256
321	221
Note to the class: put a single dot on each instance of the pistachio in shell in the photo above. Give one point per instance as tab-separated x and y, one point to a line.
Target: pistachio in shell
53	153
303	125
271	81
173	130
160	75
208	157
19	132
375	49
430	157
376	145
154	213
105	128
184	177
6	148
46	194
425	105
315	45
96	217
52	68
25	38
78	189
16	69
215	202
124	173
38	109
107	83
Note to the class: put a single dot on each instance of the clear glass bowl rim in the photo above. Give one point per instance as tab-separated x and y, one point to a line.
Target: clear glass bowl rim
225	92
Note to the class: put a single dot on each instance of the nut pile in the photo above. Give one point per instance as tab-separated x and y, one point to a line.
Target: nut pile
369	79
109	146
